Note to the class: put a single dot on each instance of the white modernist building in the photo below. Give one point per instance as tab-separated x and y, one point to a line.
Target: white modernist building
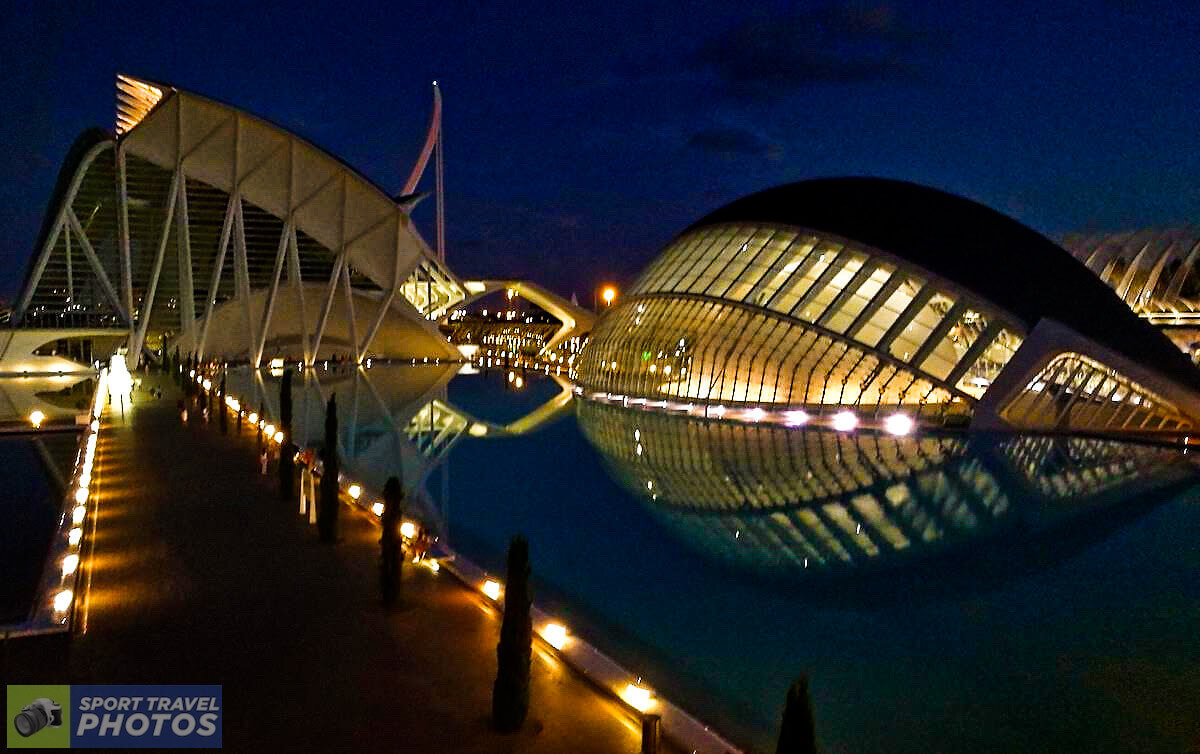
199	226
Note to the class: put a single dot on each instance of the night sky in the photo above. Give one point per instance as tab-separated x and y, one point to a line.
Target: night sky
580	137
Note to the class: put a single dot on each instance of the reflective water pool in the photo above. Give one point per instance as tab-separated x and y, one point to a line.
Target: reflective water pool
944	593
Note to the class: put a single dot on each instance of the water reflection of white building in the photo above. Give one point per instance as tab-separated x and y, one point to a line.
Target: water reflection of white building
802	502
392	421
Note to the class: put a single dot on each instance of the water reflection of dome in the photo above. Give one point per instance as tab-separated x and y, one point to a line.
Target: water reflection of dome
800	502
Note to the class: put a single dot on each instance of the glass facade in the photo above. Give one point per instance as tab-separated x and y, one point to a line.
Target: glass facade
1076	392
752	314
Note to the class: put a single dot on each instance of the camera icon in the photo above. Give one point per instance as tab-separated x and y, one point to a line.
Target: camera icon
37	715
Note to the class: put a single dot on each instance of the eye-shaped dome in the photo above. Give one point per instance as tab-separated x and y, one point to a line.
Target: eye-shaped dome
883	296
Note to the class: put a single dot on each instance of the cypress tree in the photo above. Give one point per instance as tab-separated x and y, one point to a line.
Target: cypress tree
287	451
327	509
797	731
262	417
391	575
221	408
510	694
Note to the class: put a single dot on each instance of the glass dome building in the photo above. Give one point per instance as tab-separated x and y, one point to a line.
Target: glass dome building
870	298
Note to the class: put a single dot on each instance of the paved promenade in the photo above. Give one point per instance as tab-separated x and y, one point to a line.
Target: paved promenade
201	575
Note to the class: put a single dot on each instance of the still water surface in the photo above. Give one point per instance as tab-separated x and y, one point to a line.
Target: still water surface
1008	594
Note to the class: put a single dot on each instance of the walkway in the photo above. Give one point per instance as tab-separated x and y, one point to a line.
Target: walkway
201	575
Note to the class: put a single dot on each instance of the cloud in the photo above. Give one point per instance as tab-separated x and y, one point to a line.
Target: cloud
766	58
733	142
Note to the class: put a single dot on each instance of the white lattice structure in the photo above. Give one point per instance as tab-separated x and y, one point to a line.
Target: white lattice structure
202	226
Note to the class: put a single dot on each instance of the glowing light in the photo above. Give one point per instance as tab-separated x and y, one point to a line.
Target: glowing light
95	425
377	509
432	564
492	589
81	495
354	491
207	384
78	514
69	564
478	430
898	424
555	635
269	429
279	437
718	411
511	376
276	364
844	421
62	601
408	530
795	418
36	419
641	699
252	418
518	382
74	536
755	414
608	294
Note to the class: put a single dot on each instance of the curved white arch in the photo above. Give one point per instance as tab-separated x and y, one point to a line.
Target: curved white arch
575	319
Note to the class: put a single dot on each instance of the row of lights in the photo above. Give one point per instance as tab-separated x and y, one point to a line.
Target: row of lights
898	424
64	597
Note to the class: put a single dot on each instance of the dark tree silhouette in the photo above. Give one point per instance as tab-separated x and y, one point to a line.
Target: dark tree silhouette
510	694
391	564
224	420
797	732
327	508
287	450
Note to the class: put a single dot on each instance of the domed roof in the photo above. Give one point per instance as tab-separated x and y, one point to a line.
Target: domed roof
972	246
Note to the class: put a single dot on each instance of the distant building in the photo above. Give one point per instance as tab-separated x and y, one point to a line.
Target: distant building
1156	271
874	298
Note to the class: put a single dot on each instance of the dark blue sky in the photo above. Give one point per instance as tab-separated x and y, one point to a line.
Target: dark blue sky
579	137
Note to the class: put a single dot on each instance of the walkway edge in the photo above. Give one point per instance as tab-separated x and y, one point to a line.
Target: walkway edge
677	725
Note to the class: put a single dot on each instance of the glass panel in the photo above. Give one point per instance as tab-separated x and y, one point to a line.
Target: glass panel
896	303
826	295
859	300
979	376
919	327
820	258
